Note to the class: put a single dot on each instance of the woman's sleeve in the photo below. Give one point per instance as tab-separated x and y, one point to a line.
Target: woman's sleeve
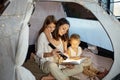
40	46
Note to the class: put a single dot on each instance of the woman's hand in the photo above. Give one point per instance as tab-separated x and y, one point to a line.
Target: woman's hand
49	36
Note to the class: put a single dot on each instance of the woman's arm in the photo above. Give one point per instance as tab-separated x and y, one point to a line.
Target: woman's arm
65	46
49	36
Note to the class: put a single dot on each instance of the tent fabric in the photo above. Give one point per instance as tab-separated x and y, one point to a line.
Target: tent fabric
14	35
42	10
111	26
21	72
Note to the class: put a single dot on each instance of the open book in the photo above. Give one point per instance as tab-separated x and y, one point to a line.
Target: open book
72	61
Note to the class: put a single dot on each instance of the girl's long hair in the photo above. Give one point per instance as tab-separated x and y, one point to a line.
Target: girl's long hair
49	19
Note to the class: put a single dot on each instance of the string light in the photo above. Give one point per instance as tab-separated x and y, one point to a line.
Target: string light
3	25
7	34
18	16
5	16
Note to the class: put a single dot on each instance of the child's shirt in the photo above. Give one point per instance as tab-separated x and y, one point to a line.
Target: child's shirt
73	53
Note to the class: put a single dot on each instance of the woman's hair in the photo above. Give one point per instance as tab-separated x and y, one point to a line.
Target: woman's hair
55	33
75	36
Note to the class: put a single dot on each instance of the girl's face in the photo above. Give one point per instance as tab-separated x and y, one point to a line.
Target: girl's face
51	27
74	43
63	29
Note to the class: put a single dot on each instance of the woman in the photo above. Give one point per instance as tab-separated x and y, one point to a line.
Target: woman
59	40
60	35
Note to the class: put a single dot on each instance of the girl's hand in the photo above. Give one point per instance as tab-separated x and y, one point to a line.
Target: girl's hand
55	52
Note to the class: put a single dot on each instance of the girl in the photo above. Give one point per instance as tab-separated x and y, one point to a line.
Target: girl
42	44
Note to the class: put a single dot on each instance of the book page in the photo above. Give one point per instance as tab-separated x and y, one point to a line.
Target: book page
72	61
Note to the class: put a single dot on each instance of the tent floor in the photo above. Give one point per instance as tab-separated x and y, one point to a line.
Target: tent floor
34	68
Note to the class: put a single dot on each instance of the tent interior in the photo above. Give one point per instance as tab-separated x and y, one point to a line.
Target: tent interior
82	22
87	18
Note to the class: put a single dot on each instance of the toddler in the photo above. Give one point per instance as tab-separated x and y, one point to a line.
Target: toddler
75	52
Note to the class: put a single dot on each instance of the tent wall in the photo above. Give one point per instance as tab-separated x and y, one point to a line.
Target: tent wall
14	36
91	32
42	10
14	33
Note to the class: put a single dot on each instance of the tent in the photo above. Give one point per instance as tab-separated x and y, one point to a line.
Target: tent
14	36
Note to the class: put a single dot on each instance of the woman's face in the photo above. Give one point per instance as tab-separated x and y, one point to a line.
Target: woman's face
63	29
51	27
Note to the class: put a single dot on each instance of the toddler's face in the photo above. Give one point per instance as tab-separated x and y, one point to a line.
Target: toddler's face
74	43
